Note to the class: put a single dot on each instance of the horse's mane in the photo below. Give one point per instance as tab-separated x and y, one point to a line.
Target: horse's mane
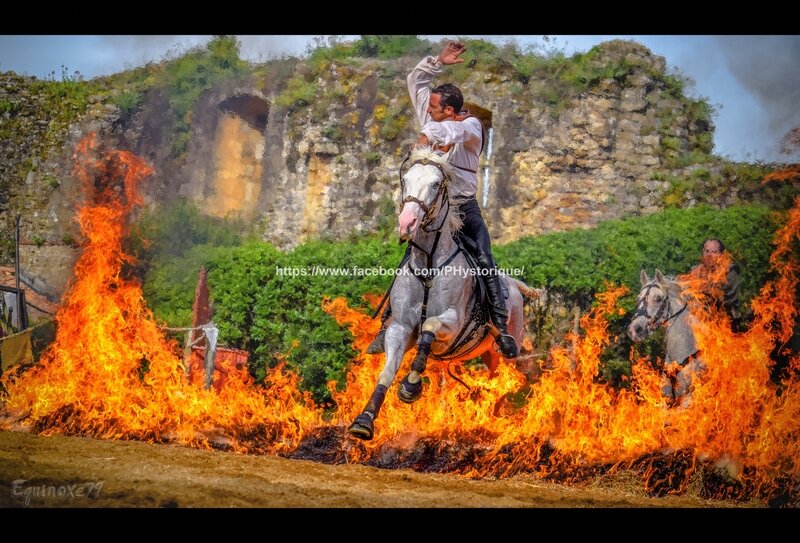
427	153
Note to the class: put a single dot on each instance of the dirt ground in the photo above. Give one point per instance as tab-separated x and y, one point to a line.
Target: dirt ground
59	471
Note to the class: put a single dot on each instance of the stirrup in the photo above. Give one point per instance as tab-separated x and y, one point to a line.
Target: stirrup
377	345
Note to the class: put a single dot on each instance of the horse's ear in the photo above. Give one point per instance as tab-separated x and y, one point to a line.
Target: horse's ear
643	277
659	276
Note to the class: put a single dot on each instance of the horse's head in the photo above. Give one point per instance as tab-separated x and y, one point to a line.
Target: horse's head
424	191
652	305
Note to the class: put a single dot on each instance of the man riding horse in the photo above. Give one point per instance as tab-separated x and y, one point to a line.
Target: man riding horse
448	128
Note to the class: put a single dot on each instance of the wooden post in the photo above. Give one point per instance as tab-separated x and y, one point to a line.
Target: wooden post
16	275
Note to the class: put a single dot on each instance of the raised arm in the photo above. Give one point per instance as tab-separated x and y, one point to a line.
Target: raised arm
419	80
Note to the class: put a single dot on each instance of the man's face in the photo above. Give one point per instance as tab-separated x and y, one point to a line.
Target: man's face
711	252
436	111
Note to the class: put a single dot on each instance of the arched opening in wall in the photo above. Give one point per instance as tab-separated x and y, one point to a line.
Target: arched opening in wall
253	110
239	144
484	180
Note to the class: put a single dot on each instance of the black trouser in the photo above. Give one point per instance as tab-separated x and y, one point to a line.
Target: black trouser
475	228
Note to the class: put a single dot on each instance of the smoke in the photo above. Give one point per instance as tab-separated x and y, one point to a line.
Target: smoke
769	68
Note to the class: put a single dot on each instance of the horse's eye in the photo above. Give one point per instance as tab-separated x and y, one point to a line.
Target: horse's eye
436	184
659	297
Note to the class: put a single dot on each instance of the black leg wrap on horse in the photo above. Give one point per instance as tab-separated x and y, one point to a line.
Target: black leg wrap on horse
421	360
376	400
409	392
364	425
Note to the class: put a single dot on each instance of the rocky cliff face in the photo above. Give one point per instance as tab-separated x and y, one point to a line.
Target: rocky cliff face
326	163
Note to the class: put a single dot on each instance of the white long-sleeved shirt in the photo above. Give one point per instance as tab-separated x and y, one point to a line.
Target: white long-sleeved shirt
466	136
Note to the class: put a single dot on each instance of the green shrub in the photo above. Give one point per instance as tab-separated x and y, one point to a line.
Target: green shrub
576	263
372	157
168	231
273	315
128	102
298	92
389	47
7	106
52	181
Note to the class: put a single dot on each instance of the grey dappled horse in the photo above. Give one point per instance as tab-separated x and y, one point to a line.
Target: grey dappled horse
660	302
429	220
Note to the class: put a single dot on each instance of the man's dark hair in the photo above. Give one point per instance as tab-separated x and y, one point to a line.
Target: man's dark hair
721	245
449	95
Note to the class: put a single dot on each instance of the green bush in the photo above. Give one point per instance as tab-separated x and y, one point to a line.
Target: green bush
128	102
586	70
389	47
273	315
8	106
576	263
169	231
298	92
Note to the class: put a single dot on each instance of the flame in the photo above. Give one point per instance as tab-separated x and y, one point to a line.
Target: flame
112	374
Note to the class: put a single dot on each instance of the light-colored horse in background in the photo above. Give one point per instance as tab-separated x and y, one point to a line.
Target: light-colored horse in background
429	220
661	302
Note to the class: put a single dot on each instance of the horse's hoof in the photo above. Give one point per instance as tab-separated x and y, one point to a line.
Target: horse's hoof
409	392
363	427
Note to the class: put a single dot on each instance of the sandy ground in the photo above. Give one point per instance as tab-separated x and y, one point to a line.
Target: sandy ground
59	471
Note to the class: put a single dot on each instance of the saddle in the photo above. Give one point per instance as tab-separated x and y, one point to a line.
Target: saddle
471	253
475	327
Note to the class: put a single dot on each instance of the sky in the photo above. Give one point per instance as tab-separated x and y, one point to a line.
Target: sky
753	82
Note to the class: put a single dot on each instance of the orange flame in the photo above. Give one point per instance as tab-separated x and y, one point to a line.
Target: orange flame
112	374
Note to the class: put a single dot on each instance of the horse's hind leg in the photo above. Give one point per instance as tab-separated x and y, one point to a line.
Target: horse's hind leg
397	343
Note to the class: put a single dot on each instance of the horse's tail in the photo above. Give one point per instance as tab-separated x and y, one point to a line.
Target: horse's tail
525	290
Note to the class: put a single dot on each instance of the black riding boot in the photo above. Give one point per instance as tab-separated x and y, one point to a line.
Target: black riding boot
497	306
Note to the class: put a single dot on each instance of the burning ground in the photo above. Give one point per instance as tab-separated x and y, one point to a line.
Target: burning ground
112	374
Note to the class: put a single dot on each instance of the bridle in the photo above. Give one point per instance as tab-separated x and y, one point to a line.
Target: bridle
440	193
654	321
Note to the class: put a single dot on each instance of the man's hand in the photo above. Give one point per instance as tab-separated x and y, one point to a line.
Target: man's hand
451	53
422	141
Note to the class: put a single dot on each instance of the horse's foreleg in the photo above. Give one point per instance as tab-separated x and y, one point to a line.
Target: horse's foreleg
397	343
410	389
